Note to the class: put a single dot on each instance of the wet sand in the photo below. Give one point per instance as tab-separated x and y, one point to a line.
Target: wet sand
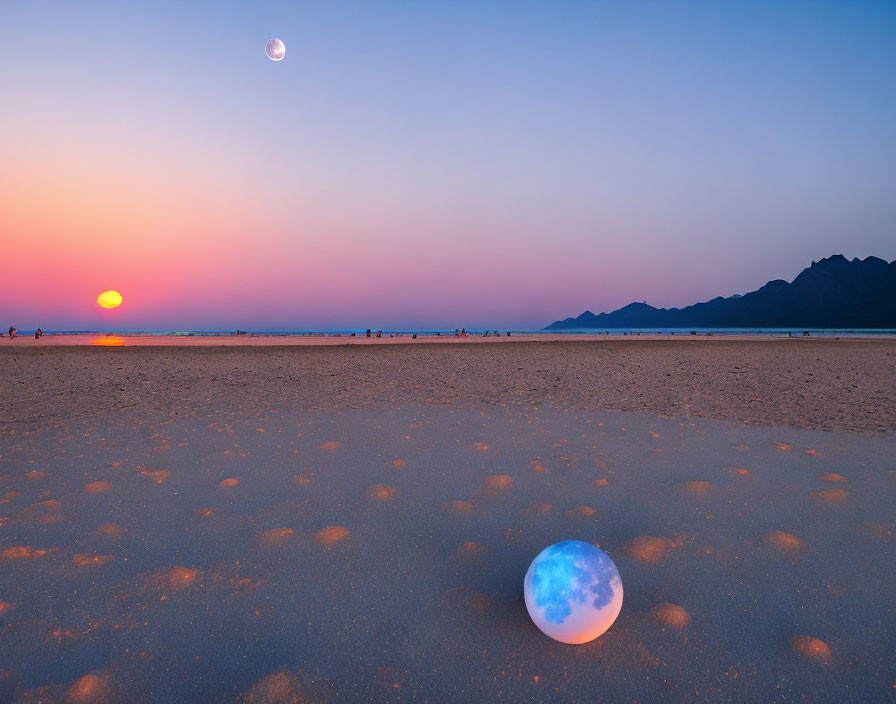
162	539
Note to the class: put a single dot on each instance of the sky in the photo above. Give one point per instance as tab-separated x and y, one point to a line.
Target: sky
432	164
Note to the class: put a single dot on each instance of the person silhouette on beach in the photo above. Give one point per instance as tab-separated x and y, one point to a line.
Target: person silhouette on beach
38	334
12	332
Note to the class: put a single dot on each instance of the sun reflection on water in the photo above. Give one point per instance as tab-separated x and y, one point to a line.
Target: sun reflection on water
110	341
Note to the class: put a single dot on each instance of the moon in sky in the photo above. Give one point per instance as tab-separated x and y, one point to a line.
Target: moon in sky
109	299
275	49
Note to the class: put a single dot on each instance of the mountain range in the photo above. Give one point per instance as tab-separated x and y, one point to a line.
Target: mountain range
832	293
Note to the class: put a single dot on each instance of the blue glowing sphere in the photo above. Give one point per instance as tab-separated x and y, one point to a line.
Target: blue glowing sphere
573	591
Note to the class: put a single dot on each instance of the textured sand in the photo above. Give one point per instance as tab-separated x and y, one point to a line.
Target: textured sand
296	523
815	384
379	555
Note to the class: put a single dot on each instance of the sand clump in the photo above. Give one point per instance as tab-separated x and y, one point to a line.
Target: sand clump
43	511
786	543
469	550
581	512
276	536
176	577
226	483
331	535
110	530
158	476
277	688
831	497
831	477
21	552
97	487
697	488
89	689
332	445
381	492
83	559
460	506
672	615
812	648
648	548
498	482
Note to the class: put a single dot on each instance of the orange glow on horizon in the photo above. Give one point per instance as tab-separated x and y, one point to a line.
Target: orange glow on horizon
110	341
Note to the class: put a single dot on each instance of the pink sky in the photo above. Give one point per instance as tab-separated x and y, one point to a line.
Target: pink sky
475	168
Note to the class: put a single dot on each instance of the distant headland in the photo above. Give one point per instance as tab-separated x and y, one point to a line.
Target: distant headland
832	293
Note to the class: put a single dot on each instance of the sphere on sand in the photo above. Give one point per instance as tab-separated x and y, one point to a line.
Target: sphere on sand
573	591
275	49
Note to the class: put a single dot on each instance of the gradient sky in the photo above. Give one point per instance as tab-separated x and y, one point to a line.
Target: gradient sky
429	164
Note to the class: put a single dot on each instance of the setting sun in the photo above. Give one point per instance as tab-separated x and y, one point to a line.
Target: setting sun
109	299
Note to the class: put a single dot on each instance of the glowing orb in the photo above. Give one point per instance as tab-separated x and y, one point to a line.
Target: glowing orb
275	49
573	591
109	299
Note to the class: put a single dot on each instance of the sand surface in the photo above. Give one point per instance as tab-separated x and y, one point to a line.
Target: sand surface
816	384
354	524
379	556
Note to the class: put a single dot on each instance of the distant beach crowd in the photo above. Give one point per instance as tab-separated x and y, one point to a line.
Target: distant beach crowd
13	333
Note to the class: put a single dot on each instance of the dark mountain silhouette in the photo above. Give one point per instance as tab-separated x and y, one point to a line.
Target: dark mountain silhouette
832	293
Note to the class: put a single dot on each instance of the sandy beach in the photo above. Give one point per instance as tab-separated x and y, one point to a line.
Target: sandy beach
821	384
624	431
332	523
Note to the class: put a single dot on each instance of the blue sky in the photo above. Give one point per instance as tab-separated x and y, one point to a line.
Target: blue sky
437	164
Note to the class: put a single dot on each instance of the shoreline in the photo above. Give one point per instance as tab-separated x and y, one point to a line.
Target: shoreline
260	340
